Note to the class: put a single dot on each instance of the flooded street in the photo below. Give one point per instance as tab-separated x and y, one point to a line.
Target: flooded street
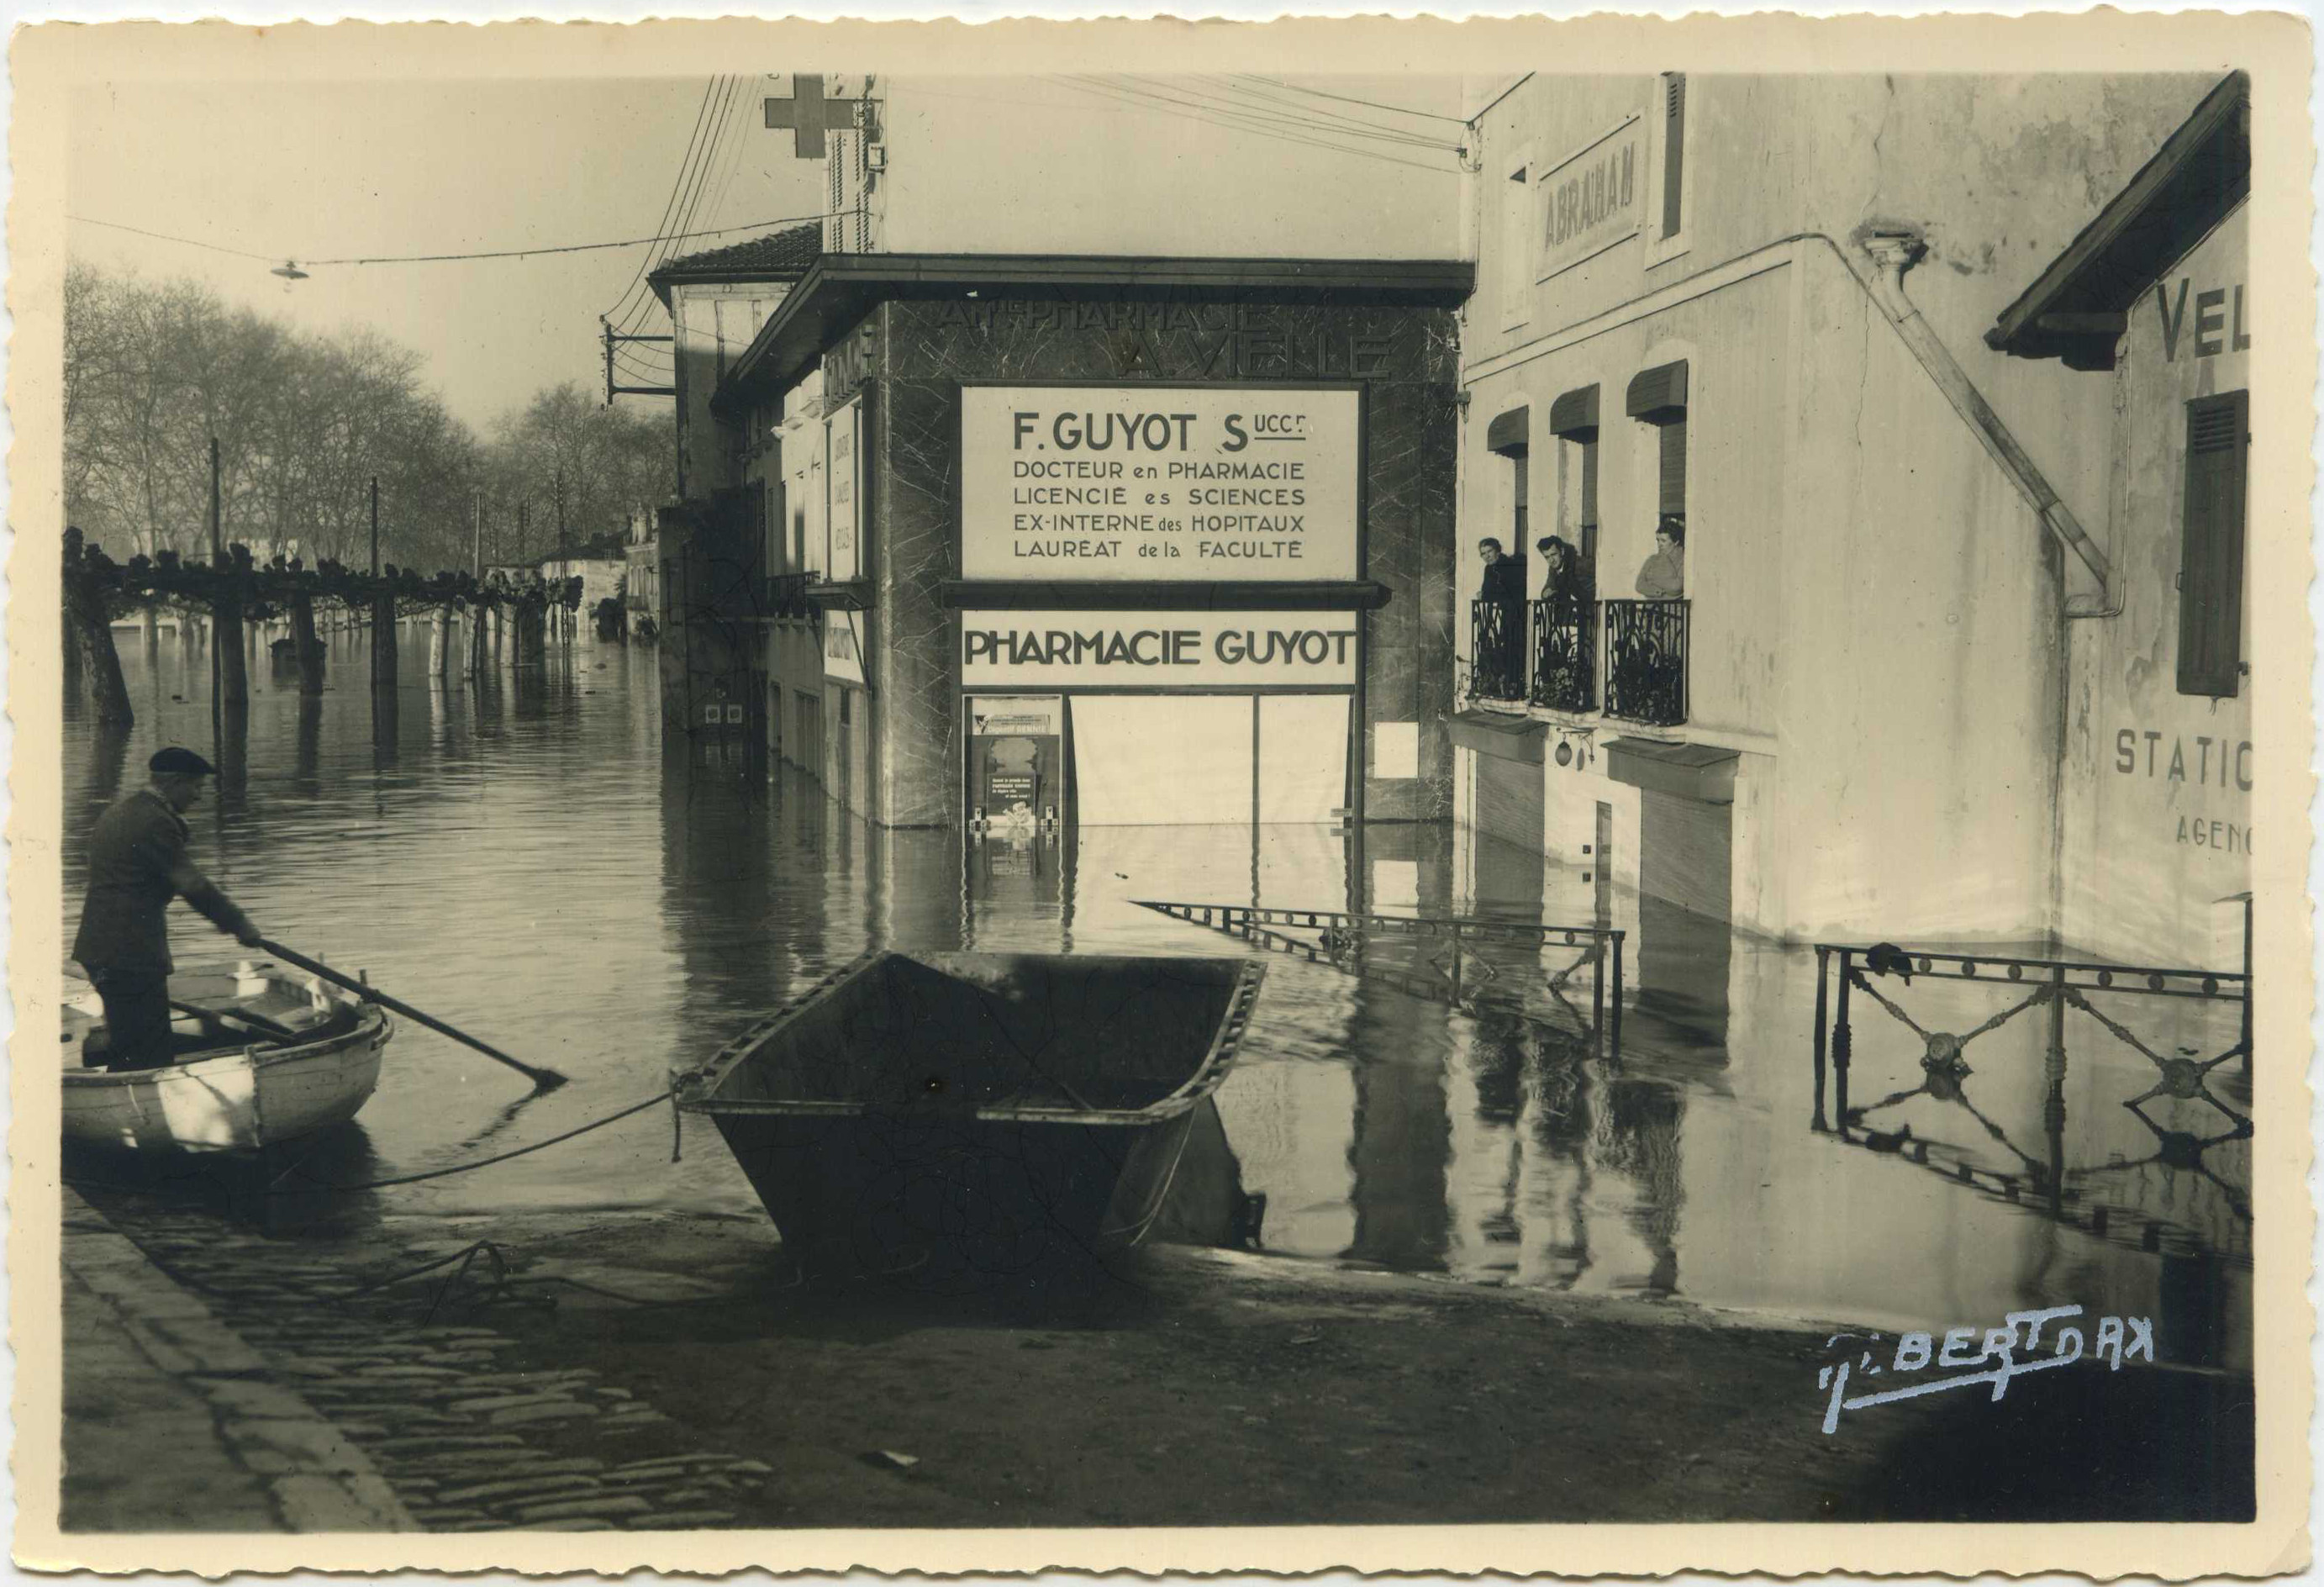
522	859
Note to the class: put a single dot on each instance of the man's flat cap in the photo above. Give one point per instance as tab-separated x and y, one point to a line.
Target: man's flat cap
183	761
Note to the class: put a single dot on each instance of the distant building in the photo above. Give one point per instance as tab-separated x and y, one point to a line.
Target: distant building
641	587
711	548
601	574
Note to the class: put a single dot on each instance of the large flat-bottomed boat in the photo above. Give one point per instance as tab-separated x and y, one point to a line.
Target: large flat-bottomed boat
975	1118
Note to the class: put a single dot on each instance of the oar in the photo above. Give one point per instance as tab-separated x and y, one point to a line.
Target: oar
542	1079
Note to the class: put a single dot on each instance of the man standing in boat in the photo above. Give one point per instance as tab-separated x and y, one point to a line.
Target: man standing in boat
137	863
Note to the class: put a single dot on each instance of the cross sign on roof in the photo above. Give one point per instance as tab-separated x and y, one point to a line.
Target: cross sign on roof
809	115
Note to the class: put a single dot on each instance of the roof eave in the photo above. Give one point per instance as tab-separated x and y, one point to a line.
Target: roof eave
838	288
2049	319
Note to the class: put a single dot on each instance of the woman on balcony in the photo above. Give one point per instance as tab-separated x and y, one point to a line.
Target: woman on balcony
1663	577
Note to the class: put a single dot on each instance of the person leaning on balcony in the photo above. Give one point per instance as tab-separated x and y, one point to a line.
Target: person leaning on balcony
1663	577
1565	584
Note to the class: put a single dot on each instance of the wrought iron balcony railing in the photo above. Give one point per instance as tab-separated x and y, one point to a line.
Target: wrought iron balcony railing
1497	668
1646	662
786	595
1565	654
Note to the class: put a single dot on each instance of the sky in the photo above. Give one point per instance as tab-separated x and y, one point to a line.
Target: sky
402	167
365	168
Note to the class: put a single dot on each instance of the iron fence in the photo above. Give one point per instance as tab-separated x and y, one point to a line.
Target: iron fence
1497	651
1565	654
1646	662
1456	976
1882	976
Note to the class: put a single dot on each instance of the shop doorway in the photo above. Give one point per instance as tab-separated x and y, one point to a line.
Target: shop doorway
1685	950
1208	760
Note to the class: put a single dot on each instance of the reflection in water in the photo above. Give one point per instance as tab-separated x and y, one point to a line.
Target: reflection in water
515	853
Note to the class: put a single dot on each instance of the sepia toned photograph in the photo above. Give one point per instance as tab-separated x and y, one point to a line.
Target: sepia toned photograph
940	808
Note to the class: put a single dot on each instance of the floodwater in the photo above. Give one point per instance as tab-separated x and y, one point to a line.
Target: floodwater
524	859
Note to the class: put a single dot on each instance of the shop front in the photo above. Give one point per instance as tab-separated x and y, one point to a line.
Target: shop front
1138	544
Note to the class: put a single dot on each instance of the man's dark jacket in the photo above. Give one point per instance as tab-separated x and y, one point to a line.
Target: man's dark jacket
137	864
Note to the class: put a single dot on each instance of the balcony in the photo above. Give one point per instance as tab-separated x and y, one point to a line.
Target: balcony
1564	655
1646	662
1496	669
786	596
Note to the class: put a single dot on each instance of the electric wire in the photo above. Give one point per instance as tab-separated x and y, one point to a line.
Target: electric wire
166	237
690	198
1163	105
639	301
1245	97
1155	105
721	126
1318	114
1246	118
1286	115
545	249
670	203
1351	99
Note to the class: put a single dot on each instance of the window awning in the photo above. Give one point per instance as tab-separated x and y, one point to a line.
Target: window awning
1508	432
1575	412
1658	394
1691	771
2076	309
1505	738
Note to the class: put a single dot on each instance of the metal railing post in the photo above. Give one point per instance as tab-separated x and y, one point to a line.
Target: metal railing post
1841	1040
1823	958
1598	995
2053	1097
1616	1044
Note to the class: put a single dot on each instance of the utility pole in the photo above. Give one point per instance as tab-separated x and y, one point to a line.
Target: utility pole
218	732
478	613
382	616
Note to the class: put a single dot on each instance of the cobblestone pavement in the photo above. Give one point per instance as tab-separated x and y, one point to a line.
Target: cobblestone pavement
440	1412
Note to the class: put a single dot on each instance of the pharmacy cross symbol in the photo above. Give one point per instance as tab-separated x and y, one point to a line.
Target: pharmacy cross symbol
809	115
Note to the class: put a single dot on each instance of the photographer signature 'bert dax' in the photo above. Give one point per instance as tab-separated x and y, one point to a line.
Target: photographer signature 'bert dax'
137	863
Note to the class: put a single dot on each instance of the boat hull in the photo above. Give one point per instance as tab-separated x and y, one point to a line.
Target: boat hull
958	1202
237	1101
970	1121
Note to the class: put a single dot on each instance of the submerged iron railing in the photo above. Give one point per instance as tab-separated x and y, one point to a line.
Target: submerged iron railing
1646	662
1496	651
1565	654
1342	936
2057	986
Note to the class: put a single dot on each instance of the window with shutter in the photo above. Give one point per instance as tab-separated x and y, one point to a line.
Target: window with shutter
2211	551
1674	464
1673	150
1521	489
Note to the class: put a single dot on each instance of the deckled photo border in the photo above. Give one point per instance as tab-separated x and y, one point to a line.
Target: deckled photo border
46	61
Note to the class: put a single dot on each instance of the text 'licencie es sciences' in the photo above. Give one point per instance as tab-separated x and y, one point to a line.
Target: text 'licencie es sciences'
1158	483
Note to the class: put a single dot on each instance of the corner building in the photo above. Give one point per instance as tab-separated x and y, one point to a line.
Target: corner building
1112	540
1759	307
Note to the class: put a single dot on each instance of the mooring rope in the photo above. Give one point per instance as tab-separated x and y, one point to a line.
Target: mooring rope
313	1185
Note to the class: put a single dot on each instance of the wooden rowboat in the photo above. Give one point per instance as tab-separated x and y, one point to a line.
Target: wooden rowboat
235	1087
972	1120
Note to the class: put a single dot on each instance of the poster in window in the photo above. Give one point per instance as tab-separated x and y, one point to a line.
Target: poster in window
843	646
843	478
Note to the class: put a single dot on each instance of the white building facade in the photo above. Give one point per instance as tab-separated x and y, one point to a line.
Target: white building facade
1758	306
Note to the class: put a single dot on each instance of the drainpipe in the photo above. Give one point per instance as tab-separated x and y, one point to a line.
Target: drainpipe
1895	249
